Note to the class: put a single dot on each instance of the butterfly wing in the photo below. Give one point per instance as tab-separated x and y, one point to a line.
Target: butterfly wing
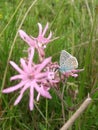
67	61
63	57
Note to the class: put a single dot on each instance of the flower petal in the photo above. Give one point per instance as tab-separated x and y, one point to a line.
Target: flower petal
40	28
41	75
26	38
50	35
31	54
24	66
16	67
42	91
74	75
14	88
31	102
21	94
43	64
17	77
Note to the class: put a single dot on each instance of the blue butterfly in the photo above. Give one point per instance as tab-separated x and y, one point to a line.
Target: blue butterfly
67	62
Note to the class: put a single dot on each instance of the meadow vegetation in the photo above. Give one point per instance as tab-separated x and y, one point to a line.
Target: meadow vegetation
75	22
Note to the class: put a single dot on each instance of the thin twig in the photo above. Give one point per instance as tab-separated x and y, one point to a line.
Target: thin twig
83	106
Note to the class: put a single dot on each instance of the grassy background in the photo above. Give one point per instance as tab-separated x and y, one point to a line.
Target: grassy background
76	24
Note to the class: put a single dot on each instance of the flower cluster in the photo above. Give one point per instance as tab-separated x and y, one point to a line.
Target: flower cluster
40	77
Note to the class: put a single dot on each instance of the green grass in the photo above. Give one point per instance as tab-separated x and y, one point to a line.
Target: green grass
76	25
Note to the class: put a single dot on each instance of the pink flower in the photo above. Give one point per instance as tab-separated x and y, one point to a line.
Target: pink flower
31	76
52	78
39	42
40	77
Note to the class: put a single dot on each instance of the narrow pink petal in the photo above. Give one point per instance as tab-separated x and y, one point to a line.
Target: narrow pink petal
18	99
50	35
24	66
31	102
38	96
40	28
14	88
43	64
21	94
41	91
17	77
26	38
41	75
30	58
16	67
45	93
74	75
45	29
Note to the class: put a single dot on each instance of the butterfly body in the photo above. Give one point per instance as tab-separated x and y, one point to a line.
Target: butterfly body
67	62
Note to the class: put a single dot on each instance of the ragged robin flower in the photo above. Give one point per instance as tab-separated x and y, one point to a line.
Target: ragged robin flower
33	76
40	42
